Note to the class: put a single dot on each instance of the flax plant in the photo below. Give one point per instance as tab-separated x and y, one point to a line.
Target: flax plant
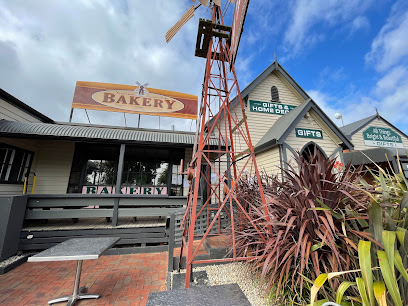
317	214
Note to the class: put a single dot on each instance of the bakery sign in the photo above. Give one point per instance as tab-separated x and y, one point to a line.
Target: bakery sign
382	137
138	99
157	190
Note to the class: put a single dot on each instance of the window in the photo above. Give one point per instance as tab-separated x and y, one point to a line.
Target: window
14	164
274	94
311	150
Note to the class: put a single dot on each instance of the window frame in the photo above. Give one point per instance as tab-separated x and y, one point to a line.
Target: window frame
17	149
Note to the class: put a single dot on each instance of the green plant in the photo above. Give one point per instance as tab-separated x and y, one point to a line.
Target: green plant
379	288
388	282
310	214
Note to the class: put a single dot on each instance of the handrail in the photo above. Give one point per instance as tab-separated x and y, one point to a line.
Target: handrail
75	203
80	195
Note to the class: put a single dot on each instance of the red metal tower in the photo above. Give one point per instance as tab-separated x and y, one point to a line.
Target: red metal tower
222	143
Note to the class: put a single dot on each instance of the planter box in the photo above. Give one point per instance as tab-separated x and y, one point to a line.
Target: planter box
12	210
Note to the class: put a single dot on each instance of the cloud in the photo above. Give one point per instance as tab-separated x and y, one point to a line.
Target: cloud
391	81
46	46
390	46
306	14
359	23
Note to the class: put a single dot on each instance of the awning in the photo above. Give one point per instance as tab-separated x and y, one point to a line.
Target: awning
377	155
82	132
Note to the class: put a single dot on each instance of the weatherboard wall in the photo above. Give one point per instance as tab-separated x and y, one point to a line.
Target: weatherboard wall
327	144
12	113
25	144
260	123
52	161
269	161
358	140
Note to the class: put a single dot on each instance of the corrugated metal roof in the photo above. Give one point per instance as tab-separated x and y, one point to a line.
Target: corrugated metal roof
377	155
92	132
274	134
272	67
354	126
285	124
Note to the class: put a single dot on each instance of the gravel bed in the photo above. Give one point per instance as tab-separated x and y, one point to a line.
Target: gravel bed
10	260
240	273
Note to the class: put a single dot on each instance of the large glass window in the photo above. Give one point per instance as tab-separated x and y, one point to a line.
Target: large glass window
153	173
101	172
14	164
144	166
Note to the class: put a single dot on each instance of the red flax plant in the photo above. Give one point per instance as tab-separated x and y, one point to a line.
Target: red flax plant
317	215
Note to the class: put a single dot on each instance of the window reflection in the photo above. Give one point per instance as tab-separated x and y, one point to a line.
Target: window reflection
144	173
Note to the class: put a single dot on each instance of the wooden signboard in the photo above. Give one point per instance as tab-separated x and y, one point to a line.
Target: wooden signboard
134	99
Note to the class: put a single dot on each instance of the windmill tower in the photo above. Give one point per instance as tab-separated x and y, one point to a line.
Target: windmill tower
223	145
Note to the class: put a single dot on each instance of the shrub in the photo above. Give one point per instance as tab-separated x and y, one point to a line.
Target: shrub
312	213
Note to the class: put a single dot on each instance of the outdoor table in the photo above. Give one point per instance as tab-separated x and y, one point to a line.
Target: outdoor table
76	249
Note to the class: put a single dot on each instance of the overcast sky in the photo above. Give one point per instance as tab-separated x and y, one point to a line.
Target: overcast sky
350	56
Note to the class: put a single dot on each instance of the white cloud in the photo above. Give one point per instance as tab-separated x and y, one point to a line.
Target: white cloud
390	46
391	81
359	23
46	46
323	100
306	14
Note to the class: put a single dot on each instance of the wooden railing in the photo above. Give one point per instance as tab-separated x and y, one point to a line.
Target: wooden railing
66	206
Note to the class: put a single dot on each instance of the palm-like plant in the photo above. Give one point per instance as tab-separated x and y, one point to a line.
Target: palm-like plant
312	211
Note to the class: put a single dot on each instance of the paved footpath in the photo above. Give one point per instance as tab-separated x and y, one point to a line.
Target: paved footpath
119	279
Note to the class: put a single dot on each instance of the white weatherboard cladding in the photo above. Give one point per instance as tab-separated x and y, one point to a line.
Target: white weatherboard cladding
269	161
12	113
51	163
327	144
260	123
358	140
54	167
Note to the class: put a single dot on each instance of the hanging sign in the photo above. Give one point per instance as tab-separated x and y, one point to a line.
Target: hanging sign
382	137
134	99
125	190
270	108
309	133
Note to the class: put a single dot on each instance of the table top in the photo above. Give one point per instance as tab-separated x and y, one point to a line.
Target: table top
76	249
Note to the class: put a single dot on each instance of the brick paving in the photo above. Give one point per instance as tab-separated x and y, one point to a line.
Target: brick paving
119	279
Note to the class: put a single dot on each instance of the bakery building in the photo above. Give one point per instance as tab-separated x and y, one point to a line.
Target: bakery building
63	158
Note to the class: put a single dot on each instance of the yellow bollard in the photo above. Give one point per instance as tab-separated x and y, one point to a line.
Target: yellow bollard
34	179
25	185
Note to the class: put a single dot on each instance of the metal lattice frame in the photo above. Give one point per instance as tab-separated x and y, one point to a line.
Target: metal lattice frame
218	120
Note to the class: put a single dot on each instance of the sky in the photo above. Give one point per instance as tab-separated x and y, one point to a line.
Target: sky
350	56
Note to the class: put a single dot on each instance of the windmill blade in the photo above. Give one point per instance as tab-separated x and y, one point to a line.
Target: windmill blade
217	2
204	2
145	85
183	20
138	84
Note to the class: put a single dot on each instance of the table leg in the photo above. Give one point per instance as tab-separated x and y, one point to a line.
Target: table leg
78	292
